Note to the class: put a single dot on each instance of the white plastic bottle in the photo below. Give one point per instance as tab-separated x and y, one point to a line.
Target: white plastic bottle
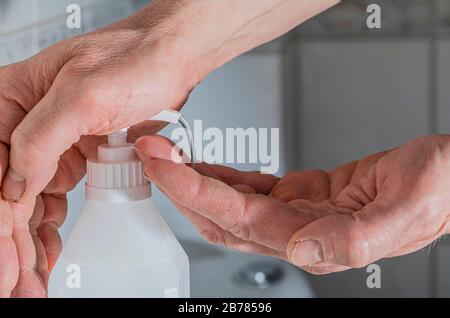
120	246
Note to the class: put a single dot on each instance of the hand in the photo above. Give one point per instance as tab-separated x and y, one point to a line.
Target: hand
385	205
87	86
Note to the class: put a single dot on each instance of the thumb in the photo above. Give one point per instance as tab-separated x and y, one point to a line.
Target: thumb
37	143
339	241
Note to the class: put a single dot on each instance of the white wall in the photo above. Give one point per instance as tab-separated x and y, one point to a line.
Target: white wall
360	96
28	26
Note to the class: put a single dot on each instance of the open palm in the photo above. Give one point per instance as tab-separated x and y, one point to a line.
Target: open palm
388	204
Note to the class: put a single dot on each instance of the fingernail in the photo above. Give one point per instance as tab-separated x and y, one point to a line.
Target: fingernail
13	186
141	155
145	159
307	253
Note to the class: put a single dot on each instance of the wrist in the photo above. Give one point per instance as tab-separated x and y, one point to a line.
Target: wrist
193	34
202	35
171	31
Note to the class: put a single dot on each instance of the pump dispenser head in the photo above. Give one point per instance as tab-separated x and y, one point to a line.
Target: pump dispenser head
117	174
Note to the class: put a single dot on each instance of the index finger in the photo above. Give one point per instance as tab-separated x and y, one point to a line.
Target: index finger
163	148
250	217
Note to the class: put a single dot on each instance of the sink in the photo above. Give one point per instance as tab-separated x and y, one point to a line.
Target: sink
216	272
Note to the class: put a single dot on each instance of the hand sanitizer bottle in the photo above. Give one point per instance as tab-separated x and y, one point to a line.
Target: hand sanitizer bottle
120	246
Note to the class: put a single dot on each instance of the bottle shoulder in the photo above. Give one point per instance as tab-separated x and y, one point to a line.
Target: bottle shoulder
122	232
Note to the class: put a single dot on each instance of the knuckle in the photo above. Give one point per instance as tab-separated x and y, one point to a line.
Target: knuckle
30	150
209	231
24	143
240	230
212	237
242	224
190	190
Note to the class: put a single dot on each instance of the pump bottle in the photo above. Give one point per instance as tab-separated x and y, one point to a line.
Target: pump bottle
120	247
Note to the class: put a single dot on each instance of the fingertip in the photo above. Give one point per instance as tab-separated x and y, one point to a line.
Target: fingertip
13	186
159	147
304	242
306	253
149	143
154	147
167	175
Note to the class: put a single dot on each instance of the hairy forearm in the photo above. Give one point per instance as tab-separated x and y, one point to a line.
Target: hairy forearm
213	32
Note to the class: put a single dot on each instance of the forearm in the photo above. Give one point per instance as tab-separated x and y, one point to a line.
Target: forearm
216	31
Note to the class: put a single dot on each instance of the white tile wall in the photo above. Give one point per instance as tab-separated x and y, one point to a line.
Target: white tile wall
359	97
28	26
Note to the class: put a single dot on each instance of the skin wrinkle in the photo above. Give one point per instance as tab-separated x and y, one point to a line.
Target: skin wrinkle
238	224
431	213
369	188
3	129
364	256
17	111
49	64
384	232
13	100
249	210
327	175
263	14
20	138
333	192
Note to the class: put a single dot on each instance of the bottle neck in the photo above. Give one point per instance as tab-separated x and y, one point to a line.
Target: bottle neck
118	195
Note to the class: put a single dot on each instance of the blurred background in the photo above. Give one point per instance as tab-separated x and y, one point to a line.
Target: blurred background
337	90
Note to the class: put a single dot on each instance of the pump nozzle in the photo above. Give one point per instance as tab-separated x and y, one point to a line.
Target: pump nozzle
117	174
119	138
